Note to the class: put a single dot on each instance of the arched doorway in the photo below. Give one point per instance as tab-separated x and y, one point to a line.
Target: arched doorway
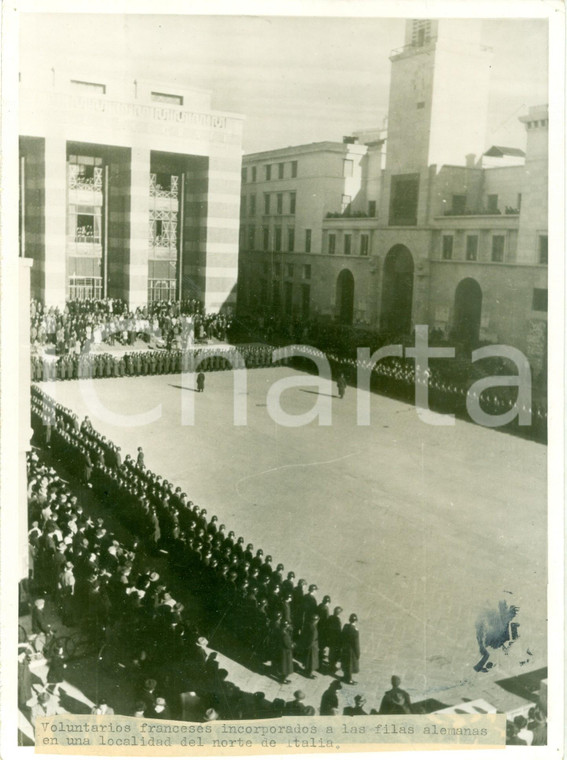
397	291
345	297
467	311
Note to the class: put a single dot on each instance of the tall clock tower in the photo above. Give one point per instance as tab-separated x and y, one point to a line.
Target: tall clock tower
438	95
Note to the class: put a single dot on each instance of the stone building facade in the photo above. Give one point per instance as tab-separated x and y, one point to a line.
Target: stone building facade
436	227
129	189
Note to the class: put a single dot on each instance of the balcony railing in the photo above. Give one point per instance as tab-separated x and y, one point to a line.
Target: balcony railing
348	214
158	191
82	182
509	211
86	235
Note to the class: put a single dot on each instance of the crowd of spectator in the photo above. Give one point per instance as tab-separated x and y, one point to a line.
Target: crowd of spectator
81	324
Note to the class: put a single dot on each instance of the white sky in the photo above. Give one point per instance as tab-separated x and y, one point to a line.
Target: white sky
296	80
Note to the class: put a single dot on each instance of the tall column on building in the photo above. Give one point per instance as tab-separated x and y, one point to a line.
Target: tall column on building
25	431
222	222
137	262
55	220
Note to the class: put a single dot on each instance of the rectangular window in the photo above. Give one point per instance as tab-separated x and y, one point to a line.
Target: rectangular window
251	238
294	169
266	203
305	298
307	271
278	245
268	171
348	167
289	270
404	194
307	241
332	243
288	297
277	269
281	171
543	249
266	237
88	88
292	203
243	206
539	300
459	203
371	208
472	247
290	239
279	203
364	245
447	247
492	204
244	174
347	244
164	97
252	206
498	248
519	202
253	174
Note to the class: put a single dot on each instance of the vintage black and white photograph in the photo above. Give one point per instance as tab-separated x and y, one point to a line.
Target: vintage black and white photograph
282	287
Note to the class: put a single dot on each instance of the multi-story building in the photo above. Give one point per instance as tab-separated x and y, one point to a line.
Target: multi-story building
436	227
128	189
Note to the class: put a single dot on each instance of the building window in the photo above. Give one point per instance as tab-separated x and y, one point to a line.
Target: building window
164	97
458	204
307	271
364	245
277	269
543	249
278	245
268	171
88	222
279	203
305	298
345	203
88	88
492	204
348	167
266	203
332	243
266	237
292	203
251	238
244	174
243	206
307	241
281	171
84	172
539	300
371	208
519	202
404	192
252	206
347	244
498	248
294	169
290	239
472	247
447	252
83	288
289	270
162	280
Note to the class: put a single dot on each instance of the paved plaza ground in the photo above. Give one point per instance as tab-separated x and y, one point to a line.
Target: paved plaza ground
416	528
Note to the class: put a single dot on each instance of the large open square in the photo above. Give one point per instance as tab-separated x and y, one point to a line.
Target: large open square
416	528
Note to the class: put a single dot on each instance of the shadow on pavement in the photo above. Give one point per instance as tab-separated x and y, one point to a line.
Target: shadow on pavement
526	685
